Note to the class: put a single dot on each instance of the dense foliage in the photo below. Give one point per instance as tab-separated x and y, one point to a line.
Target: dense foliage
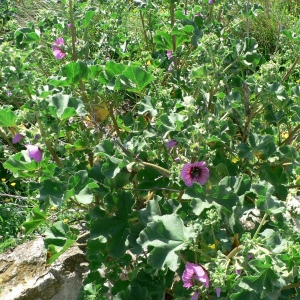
169	130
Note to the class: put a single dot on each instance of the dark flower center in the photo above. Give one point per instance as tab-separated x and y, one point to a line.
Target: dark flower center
196	172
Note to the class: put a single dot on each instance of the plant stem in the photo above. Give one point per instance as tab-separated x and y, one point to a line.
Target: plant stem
111	113
144	30
47	143
8	141
260	226
73	31
288	73
172	13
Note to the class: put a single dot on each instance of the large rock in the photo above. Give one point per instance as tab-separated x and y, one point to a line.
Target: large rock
24	274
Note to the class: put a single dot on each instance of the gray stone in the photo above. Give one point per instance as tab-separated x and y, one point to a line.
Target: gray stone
24	274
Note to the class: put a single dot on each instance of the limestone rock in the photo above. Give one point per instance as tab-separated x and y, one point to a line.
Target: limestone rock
24	274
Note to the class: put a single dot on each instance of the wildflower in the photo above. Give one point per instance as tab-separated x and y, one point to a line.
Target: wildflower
239	272
194	272
35	152
169	54
70	25
17	138
177	159
36	136
211	1
218	292
9	93
57	51
172	143
195	296
196	172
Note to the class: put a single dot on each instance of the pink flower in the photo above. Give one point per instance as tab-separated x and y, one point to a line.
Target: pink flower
211	2
35	152
196	172
194	272
9	93
169	54
218	292
57	51
70	25
17	138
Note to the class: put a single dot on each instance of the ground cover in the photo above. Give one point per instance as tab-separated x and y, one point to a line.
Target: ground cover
168	129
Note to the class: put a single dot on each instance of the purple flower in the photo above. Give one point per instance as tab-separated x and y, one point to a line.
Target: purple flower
211	1
195	296
172	143
70	25
17	138
36	136
239	272
169	54
196	172
194	272
57	51
218	292
9	93
34	152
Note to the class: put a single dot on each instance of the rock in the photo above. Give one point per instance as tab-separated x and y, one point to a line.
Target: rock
24	274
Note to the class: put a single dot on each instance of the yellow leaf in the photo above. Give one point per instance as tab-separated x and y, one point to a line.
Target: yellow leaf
100	113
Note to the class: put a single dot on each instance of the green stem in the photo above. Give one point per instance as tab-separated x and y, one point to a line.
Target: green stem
8	141
111	114
73	31
144	30
47	143
288	73
172	13
260	226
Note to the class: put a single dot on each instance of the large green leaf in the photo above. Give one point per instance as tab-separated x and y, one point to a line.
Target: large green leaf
7	118
74	71
64	106
21	162
134	292
133	79
25	36
35	220
81	186
114	230
167	234
58	239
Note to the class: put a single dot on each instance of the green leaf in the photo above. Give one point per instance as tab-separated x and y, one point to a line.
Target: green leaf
25	36
134	292
37	219
167	234
58	239
74	71
163	40
262	284
88	17
105	147
81	186
148	104
266	201
112	69
64	106
133	79
7	118
114	230
112	167
171	122
52	193
21	162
